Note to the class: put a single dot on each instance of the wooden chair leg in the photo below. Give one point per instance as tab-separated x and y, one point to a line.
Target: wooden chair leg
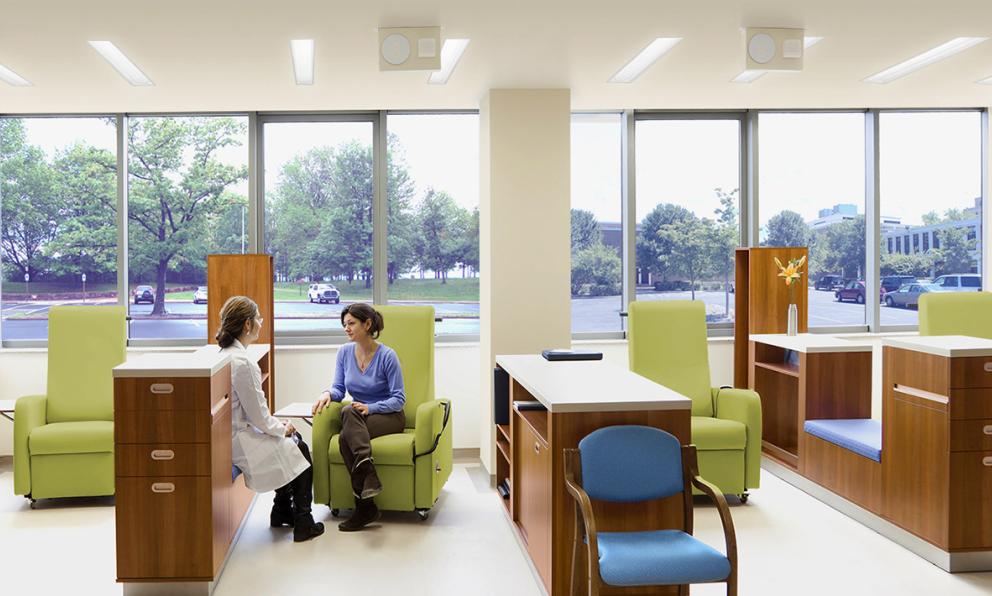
684	590
576	586
732	585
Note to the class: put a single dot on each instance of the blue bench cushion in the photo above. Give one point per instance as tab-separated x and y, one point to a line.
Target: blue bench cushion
658	558
860	435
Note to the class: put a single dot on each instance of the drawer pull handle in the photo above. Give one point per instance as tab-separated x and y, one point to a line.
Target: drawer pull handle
537	447
162	388
988	367
988	429
987	461
167	487
163	454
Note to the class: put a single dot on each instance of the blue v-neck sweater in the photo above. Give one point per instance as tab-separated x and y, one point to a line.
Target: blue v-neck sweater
380	387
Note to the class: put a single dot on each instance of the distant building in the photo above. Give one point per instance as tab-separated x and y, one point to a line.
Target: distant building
908	239
847	212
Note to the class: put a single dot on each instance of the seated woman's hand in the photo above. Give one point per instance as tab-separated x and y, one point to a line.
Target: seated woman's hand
290	429
360	408
322	402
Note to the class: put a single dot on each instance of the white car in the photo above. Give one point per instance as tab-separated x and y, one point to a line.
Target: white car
324	293
200	296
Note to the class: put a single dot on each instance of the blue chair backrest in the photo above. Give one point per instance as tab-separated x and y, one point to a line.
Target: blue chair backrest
629	464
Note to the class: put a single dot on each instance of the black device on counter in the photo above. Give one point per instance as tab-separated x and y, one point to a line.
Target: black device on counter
560	355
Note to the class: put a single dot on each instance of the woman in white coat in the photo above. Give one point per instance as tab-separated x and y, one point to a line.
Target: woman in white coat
270	453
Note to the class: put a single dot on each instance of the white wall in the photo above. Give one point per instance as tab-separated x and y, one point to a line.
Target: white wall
303	371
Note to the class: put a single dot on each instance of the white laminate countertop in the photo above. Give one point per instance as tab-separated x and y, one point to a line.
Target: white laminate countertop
950	346
190	364
255	351
589	386
813	343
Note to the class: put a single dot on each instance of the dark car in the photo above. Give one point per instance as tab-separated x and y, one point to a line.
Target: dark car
144	294
891	283
829	282
855	291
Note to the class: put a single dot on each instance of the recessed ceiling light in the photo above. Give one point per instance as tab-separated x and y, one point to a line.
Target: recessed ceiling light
750	76
121	63
641	62
945	50
12	78
302	60
451	53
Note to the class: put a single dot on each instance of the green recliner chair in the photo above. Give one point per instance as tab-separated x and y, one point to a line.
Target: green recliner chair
64	440
413	465
667	344
956	313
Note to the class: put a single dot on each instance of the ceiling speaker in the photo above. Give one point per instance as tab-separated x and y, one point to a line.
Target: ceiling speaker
770	48
409	48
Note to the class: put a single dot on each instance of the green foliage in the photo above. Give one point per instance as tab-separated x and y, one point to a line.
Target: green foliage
787	228
955	252
596	269
441	227
839	249
585	230
654	250
917	264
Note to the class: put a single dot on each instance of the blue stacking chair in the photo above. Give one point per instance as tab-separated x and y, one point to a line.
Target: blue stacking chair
633	464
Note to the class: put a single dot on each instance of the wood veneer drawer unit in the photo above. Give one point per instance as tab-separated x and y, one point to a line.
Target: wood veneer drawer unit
175	459
150	543
971	435
971	372
532	483
150	426
171	393
969	404
971	500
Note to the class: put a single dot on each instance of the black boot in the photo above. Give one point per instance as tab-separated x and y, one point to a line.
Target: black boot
365	513
304	528
282	507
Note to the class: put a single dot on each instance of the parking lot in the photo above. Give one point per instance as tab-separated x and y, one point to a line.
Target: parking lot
185	320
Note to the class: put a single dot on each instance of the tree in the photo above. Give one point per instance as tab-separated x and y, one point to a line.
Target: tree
470	243
724	238
688	239
955	252
585	230
402	220
176	188
840	248
917	264
597	267
654	250
787	228
441	227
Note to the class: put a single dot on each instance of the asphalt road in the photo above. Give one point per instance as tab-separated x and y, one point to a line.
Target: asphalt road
188	321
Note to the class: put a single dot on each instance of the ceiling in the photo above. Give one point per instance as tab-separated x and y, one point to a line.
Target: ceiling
232	55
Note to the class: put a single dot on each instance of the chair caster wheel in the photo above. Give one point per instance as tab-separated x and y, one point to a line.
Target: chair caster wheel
33	502
423	514
743	497
335	513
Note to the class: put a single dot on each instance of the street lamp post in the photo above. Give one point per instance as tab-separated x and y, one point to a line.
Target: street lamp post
27	285
84	288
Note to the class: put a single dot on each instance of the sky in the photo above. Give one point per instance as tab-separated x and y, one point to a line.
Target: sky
807	162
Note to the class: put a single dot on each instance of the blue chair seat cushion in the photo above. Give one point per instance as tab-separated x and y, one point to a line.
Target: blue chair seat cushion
860	435
658	558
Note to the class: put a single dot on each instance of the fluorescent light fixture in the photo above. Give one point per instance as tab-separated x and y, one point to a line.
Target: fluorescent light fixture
451	53
641	62
12	78
987	81
302	60
121	63
945	50
750	76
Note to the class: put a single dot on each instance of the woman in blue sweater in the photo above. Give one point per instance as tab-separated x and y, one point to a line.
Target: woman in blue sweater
370	373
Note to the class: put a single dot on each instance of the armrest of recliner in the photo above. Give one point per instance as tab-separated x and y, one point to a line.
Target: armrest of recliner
744	406
433	418
326	424
29	414
432	451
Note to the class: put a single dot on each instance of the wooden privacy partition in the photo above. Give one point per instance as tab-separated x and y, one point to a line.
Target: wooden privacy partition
761	299
245	275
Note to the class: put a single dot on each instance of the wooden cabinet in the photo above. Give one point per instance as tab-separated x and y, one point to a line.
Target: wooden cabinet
533	489
177	507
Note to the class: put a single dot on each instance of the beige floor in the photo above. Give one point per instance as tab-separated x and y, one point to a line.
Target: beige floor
789	544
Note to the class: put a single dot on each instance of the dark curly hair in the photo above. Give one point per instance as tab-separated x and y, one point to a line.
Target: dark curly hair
363	312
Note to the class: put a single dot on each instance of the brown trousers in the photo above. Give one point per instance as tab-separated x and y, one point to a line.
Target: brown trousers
357	433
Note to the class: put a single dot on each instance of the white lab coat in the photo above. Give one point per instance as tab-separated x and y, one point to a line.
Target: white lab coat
260	448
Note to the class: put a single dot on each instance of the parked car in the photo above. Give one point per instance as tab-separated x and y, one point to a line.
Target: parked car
324	293
909	294
200	295
960	282
891	283
855	291
144	294
830	282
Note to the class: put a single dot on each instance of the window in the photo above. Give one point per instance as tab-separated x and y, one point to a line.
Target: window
58	234
433	186
318	196
688	200
926	241
931	176
596	221
187	198
811	192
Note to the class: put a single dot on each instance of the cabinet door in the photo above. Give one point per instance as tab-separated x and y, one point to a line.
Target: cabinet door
971	500
534	494
151	541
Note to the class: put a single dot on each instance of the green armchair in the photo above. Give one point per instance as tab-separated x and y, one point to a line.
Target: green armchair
667	344
956	313
64	440
413	465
